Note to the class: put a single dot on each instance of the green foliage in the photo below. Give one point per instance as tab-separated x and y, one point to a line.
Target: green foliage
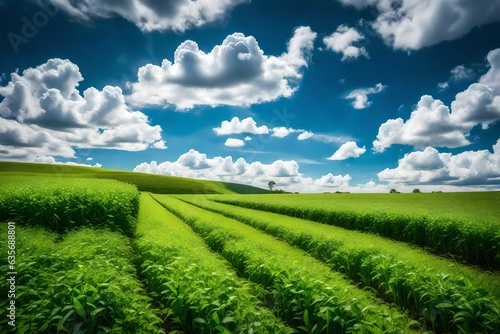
83	284
203	294
304	292
462	225
65	204
433	288
159	184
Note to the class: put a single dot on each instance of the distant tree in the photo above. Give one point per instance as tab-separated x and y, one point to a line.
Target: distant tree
393	191
416	191
271	184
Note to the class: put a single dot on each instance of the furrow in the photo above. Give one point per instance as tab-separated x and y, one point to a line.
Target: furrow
305	292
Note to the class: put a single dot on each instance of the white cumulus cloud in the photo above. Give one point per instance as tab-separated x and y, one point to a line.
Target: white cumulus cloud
44	114
415	24
235	73
285	173
330	180
342	40
282	131
235	126
233	142
434	124
360	96
152	15
348	150
469	168
305	135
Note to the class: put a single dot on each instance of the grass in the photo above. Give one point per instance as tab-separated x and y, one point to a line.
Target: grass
61	205
462	225
411	278
144	182
203	294
303	291
85	283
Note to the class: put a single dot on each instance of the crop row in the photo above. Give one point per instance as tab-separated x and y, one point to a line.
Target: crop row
83	284
65	204
475	242
432	288
302	291
202	293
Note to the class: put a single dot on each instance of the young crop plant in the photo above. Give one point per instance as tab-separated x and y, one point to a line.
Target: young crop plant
463	235
447	297
302	291
61	204
201	292
82	284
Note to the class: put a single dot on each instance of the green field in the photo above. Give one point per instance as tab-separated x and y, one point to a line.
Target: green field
158	184
465	226
95	255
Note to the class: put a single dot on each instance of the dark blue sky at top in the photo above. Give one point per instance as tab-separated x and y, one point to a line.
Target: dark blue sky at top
109	51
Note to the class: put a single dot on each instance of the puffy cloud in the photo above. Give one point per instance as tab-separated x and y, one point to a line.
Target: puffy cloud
414	24
233	142
43	110
248	125
285	173
235	126
434	124
492	77
282	131
305	135
342	40
235	73
429	125
443	85
330	180
160	144
360	96
461	73
151	15
469	168
348	150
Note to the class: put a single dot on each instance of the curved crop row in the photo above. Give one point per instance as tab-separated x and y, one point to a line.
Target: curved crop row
433	288
303	291
203	294
474	242
83	284
65	204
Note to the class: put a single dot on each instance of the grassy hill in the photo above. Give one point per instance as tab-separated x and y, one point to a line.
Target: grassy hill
145	182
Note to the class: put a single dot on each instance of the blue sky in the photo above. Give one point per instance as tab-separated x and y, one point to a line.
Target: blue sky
323	95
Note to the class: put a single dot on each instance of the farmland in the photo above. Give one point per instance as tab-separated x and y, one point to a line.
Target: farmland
95	255
159	184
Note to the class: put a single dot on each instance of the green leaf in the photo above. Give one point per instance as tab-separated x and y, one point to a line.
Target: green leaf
97	310
444	305
200	320
306	318
79	308
215	316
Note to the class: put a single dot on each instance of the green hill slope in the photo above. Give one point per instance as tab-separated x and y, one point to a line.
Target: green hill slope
145	182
